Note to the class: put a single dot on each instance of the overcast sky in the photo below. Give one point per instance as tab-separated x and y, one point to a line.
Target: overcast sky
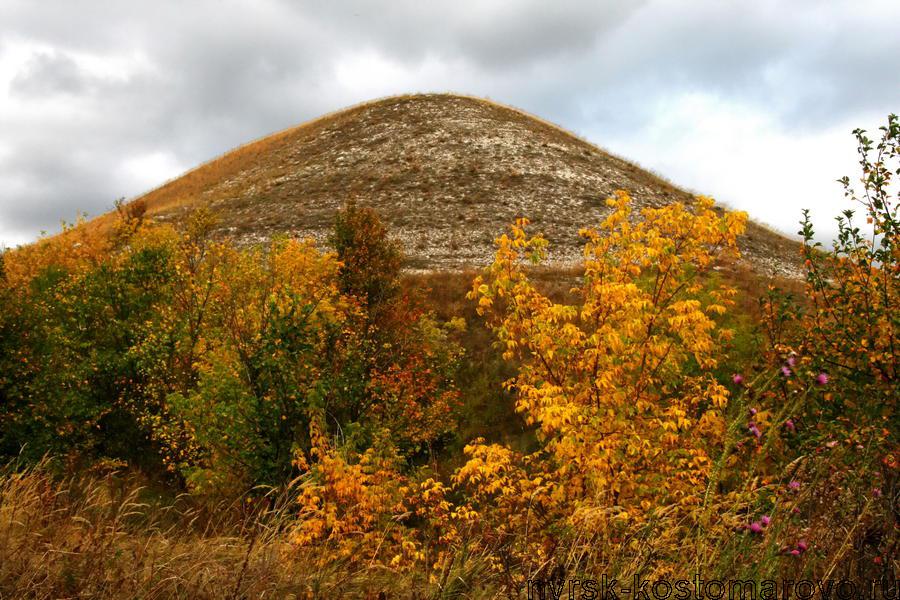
750	102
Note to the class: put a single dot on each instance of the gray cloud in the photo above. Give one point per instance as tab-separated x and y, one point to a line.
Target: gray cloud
49	74
103	99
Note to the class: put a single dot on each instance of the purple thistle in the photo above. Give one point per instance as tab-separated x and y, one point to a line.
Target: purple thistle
821	378
785	371
755	527
738	379
794	485
794	552
752	412
789	425
765	520
802	546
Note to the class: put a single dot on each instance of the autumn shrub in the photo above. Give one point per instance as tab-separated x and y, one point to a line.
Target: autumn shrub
655	461
618	385
65	362
190	356
828	391
402	359
853	326
370	261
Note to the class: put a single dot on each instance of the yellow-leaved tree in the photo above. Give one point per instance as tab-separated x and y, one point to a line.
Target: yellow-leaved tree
617	385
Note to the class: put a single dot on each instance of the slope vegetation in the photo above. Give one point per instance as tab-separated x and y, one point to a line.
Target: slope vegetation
446	172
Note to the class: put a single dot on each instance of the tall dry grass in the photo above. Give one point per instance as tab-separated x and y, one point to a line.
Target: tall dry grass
104	536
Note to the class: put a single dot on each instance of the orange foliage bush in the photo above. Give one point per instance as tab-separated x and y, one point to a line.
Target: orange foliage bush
618	385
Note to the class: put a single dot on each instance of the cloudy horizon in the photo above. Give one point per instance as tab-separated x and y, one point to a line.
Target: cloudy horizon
752	104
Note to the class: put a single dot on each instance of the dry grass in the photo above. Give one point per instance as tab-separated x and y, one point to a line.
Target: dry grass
105	537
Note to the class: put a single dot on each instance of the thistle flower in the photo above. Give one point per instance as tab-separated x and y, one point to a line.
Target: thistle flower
794	552
802	546
794	485
821	378
765	520
785	371
738	379
755	527
752	411
789	425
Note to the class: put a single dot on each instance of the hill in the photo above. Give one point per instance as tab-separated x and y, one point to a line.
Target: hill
446	172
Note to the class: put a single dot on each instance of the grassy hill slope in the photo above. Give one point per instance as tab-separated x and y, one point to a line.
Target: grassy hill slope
446	172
